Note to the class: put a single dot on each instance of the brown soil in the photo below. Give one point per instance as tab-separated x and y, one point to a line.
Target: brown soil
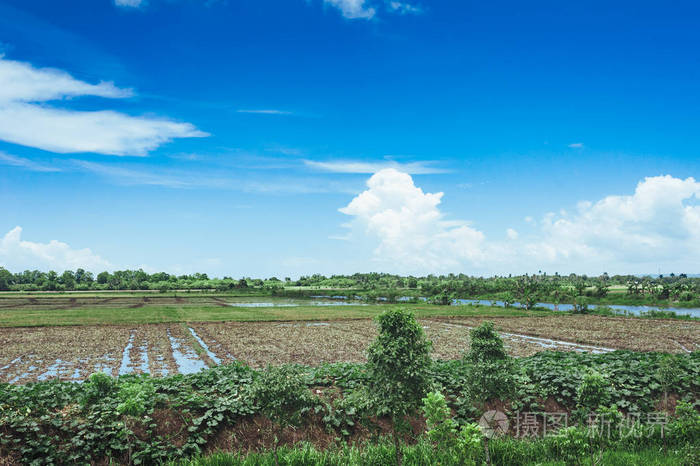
672	402
257	433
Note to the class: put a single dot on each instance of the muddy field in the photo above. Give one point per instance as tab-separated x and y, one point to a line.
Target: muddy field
73	353
57	303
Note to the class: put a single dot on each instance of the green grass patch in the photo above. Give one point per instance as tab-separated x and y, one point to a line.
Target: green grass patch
201	313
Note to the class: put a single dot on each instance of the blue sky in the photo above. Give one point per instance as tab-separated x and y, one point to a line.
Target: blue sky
225	136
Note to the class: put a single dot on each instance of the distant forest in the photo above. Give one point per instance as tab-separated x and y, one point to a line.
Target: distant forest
522	288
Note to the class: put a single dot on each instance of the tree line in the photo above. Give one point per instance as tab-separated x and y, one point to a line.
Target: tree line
526	289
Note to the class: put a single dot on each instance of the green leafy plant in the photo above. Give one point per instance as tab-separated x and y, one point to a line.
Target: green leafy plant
491	371
572	444
668	374
469	441
398	368
135	398
594	391
442	429
98	386
282	395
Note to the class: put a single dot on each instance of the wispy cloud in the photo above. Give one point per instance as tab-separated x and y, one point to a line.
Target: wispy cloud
26	119
349	166
27	164
404	8
21	82
352	9
130	177
213	179
129	3
265	112
576	145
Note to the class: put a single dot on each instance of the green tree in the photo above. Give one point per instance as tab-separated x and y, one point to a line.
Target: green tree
103	277
490	371
399	368
6	279
282	396
668	374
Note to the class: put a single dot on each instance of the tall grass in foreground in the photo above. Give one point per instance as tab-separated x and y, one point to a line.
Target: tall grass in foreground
506	452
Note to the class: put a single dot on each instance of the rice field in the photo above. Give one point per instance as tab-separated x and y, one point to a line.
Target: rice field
74	352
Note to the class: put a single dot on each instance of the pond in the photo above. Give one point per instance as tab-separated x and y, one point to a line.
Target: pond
621	309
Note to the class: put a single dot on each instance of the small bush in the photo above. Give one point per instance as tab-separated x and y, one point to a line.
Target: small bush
136	398
490	373
98	387
442	429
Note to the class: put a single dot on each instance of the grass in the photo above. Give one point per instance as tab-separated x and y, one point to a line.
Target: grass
383	453
203	313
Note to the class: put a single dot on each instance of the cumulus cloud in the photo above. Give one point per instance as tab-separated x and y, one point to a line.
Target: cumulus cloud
26	119
659	224
17	254
656	224
411	230
352	9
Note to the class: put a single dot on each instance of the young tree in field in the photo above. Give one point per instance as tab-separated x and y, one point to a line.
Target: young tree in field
399	368
491	371
282	396
593	394
668	374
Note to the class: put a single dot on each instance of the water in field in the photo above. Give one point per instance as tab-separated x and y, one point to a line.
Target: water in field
309	302
619	308
209	352
186	359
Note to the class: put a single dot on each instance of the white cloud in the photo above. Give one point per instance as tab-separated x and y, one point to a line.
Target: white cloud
21	82
25	118
576	145
15	161
130	177
413	168
352	9
265	112
17	254
103	132
410	228
129	3
404	8
657	225
192	179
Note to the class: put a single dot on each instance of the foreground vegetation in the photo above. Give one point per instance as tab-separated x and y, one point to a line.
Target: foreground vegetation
399	407
506	452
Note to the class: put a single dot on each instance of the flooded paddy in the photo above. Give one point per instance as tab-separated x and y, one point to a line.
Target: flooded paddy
73	353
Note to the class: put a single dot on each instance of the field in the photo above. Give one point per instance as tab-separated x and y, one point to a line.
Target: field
226	345
120	333
138	308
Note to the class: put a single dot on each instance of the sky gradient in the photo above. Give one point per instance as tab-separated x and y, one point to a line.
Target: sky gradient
283	138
